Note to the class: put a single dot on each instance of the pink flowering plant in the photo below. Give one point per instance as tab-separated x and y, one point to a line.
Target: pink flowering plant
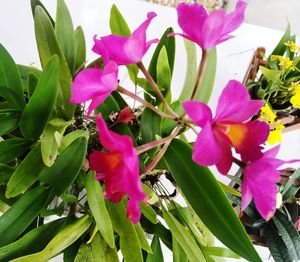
86	174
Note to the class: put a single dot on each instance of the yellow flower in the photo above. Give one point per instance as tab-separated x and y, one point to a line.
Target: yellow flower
267	114
275	136
284	62
292	46
295	100
295	87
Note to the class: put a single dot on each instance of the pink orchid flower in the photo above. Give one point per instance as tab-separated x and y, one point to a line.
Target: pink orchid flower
208	30
95	84
259	182
228	128
125	50
297	224
119	168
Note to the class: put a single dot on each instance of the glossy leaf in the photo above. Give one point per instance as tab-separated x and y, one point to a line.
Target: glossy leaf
5	173
21	214
34	241
181	234
12	148
64	31
157	255
66	167
10	80
49	144
129	241
26	173
9	121
214	209
69	138
96	203
80	48
41	103
25	71
32	82
48	46
35	3
61	241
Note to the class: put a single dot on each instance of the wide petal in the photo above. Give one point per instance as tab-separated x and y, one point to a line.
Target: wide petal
235	19
100	49
134	210
199	112
212	29
191	19
207	151
246	194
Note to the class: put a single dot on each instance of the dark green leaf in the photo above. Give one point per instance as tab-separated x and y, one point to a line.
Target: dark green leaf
21	214
12	148
10	80
25	71
5	173
157	255
65	33
96	203
66	167
34	241
289	189
42	101
281	47
214	209
26	173
9	122
80	48
32	83
48	46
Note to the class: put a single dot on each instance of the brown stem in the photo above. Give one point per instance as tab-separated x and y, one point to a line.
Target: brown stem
160	154
200	75
156	88
239	162
145	103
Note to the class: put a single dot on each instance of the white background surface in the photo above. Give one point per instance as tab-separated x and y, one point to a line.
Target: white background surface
17	35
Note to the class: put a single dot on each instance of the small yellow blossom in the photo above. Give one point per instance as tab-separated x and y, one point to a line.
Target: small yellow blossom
292	46
295	88
295	101
267	114
275	135
284	62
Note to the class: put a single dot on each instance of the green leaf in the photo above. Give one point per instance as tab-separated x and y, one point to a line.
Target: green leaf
207	83
157	255
169	44
66	167
214	209
84	254
25	72
69	138
10	79
281	47
273	75
12	148
102	252
49	144
47	47
191	70
64	31
21	214
41	103
221	252
289	189
142	238
96	203
9	121
61	241
230	190
163	74
26	173
178	253
35	3
289	234
148	212
129	241
34	241
5	173
182	235
80	48
32	83
117	23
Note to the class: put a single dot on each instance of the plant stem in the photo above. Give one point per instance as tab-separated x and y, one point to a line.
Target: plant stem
143	148
160	154
156	89
145	103
201	71
239	162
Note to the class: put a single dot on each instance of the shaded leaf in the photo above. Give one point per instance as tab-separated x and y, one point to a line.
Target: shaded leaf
157	255
80	48
12	148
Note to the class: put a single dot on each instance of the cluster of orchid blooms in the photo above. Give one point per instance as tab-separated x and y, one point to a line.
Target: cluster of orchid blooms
232	126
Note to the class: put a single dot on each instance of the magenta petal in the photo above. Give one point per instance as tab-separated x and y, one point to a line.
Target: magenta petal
246	195
207	150
134	210
235	105
188	17
234	19
199	112
212	29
